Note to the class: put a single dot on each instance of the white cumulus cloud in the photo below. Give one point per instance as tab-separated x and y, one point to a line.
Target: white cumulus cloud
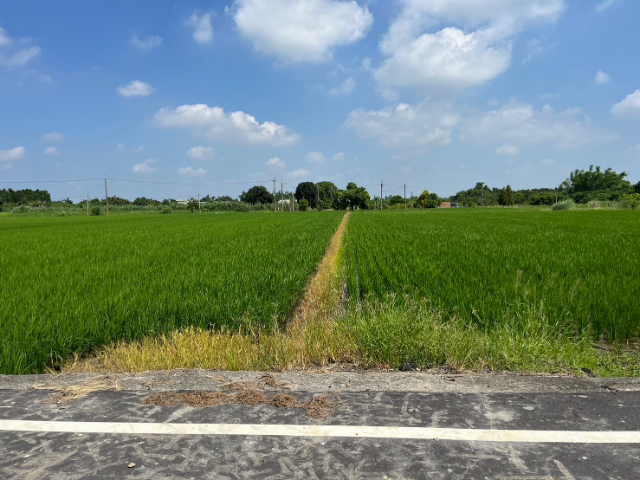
191	172
507	150
605	5
338	157
315	158
424	125
121	147
144	168
217	124
520	123
301	30
345	88
139	149
275	162
19	58
52	137
602	78
51	151
5	39
201	153
146	43
12	154
202	29
136	88
629	107
301	172
473	47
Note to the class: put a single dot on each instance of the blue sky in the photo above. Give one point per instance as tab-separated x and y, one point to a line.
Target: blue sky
435	94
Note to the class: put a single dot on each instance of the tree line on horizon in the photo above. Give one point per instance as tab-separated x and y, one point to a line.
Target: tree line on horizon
582	186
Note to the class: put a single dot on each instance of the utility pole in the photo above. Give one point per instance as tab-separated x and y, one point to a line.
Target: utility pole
199	207
282	195
87	205
405	196
411	199
381	181
556	193
293	205
106	194
482	195
274	194
317	195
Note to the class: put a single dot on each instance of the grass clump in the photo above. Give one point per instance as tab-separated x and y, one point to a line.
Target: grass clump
563	206
409	332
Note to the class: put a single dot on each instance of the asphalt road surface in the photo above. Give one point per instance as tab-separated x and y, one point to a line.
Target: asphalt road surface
383	425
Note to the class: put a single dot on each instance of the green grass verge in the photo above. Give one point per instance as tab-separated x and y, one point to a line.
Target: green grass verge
405	332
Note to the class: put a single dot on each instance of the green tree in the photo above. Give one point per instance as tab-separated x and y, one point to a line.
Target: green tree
24	196
353	197
395	200
192	205
506	196
304	205
117	201
636	187
257	194
475	194
594	184
143	201
308	191
426	200
327	191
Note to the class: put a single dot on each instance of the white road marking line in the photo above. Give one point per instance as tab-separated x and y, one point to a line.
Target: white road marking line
414	433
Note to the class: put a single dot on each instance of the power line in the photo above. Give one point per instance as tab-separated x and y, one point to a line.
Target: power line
191	184
60	181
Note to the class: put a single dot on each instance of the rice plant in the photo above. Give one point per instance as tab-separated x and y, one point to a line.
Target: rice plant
490	266
69	285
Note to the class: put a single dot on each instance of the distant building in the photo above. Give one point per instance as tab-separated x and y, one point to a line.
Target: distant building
284	202
449	205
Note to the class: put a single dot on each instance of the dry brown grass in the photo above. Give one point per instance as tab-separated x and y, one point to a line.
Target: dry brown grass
318	407
66	393
312	337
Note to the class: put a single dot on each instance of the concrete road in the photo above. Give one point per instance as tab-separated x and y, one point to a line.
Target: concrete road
384	425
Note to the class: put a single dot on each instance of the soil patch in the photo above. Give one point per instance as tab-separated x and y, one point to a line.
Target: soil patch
319	407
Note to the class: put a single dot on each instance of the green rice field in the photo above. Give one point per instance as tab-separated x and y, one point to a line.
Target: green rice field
68	285
581	268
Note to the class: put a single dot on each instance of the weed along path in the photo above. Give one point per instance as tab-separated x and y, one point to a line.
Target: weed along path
208	424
